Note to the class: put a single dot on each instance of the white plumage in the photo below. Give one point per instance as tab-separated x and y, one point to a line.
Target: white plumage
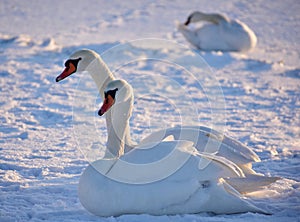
218	32
162	177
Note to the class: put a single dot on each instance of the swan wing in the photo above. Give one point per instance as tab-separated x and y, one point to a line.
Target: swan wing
206	158
207	140
148	163
154	162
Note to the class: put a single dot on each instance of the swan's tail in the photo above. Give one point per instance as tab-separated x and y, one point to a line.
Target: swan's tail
245	202
250	183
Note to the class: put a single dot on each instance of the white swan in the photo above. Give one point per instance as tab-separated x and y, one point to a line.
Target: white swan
147	180
190	189
219	33
90	61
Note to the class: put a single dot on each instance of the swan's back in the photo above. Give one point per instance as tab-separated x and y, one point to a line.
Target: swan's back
226	36
238	36
209	140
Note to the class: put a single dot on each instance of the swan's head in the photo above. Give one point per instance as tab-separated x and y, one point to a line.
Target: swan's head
77	62
116	92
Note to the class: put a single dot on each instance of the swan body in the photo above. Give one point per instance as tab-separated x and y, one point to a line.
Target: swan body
188	190
150	179
160	177
218	33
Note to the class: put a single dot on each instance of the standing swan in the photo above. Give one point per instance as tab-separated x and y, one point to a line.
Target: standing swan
111	187
219	33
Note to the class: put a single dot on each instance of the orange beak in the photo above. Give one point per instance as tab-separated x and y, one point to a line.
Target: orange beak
108	102
68	71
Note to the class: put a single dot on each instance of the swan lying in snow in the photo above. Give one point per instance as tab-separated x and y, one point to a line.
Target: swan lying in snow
219	33
160	177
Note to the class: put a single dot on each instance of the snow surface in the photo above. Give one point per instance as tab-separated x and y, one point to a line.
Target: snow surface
41	159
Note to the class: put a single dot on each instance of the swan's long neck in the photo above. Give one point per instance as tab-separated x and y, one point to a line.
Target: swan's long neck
214	18
117	121
117	118
100	74
118	127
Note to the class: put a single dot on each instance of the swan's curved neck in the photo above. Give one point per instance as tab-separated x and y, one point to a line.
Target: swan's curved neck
100	74
214	18
118	129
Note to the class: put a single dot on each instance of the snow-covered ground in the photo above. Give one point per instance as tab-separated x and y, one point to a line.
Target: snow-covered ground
42	122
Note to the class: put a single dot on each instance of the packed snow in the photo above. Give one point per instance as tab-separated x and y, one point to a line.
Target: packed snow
50	131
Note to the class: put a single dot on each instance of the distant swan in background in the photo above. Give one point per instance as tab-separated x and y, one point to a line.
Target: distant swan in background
217	187
218	33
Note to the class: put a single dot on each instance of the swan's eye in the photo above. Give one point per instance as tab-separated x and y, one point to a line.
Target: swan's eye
74	62
67	64
112	93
